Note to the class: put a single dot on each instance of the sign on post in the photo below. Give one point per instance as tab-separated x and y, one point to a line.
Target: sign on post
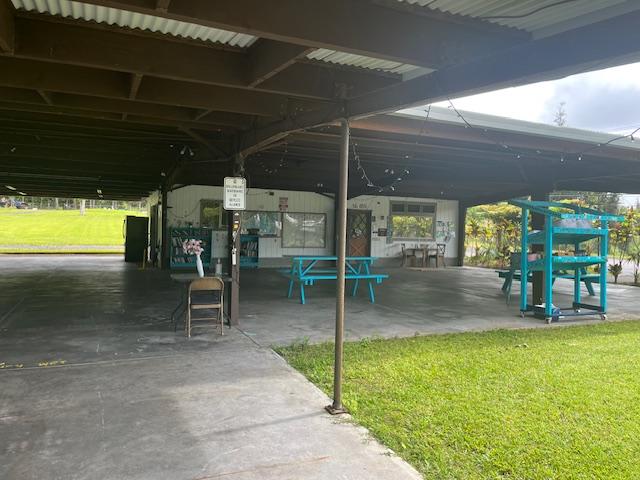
235	193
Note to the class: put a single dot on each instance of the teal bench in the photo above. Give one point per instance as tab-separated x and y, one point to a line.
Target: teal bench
514	274
306	271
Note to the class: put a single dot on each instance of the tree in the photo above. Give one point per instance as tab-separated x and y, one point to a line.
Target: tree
560	118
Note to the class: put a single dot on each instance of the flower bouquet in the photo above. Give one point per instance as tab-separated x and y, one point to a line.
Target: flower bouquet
194	247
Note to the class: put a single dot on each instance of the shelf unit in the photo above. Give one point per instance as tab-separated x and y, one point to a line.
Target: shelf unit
249	256
177	235
554	235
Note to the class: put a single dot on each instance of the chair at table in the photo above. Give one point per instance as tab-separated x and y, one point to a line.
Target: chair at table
437	253
205	294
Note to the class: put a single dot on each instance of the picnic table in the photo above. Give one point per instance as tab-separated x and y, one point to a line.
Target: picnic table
307	270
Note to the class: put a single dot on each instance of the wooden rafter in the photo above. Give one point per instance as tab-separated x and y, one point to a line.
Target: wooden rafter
354	26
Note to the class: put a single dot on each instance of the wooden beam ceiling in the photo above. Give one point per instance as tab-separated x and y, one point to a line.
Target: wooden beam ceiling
7	27
110	48
609	42
269	57
356	26
591	47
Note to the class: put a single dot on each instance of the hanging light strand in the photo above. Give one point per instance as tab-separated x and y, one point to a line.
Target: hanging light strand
391	172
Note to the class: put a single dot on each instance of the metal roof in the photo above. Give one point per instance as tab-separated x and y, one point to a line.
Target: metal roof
126	19
342	58
511	125
539	17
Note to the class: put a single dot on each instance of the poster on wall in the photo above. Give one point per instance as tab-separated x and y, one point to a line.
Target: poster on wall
284	204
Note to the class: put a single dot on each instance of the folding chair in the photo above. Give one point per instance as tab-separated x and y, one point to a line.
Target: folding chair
205	294
437	253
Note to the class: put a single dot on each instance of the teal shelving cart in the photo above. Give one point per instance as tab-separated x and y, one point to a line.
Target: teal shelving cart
177	235
564	225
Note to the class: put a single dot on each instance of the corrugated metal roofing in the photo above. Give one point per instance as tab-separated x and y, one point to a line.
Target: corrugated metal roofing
342	58
494	122
123	18
548	21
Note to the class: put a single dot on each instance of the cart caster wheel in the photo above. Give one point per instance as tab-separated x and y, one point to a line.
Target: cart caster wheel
603	317
549	319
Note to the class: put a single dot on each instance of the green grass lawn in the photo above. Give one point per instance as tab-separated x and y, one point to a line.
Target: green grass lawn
21	229
561	403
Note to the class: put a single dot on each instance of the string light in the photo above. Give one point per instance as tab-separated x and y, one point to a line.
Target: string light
518	154
389	171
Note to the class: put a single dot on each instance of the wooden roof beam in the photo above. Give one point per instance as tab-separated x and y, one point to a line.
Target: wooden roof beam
20	73
356	26
269	57
7	27
609	42
162	5
136	79
51	40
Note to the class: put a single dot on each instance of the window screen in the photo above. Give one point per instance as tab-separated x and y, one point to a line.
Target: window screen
304	230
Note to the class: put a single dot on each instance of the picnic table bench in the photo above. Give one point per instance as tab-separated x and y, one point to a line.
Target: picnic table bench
514	274
306	271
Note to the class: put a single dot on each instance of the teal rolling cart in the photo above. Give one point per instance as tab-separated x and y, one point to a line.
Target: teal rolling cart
564	224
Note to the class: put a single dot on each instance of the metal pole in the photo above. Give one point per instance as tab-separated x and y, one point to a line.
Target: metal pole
336	407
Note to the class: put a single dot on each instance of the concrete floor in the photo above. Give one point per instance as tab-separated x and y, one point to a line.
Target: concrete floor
95	384
411	302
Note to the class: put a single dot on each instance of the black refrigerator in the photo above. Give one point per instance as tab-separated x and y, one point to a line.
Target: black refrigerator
136	238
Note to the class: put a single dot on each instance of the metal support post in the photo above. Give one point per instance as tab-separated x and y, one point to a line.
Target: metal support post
524	260
604	246
341	244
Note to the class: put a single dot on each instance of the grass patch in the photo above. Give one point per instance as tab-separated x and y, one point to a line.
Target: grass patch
517	404
21	229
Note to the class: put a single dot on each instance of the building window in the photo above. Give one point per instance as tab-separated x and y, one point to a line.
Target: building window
412	221
212	215
304	230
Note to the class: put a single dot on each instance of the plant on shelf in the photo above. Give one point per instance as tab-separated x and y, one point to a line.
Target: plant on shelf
194	247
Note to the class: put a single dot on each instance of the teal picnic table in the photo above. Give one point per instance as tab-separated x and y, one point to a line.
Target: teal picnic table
308	270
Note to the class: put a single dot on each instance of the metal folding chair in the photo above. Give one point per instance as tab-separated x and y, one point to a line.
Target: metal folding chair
205	294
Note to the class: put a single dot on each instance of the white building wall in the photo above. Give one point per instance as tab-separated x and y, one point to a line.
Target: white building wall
184	209
446	211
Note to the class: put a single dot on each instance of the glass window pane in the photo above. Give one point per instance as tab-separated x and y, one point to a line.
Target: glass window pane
211	214
413	208
267	224
314	230
292	230
397	207
412	226
427	208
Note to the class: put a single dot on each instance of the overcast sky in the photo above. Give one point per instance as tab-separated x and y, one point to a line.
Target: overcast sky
607	100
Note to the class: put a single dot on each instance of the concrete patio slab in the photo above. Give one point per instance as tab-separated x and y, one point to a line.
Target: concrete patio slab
95	384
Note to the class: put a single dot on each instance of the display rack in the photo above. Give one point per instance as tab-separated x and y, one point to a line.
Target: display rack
177	235
249	257
564	224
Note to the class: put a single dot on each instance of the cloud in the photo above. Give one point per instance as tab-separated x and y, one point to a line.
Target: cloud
606	100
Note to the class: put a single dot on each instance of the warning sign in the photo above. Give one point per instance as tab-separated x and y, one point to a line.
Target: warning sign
235	193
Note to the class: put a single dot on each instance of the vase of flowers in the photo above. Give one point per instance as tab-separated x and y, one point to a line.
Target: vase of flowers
194	247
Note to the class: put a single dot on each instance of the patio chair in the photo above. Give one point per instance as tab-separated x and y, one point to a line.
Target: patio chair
437	253
205	294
